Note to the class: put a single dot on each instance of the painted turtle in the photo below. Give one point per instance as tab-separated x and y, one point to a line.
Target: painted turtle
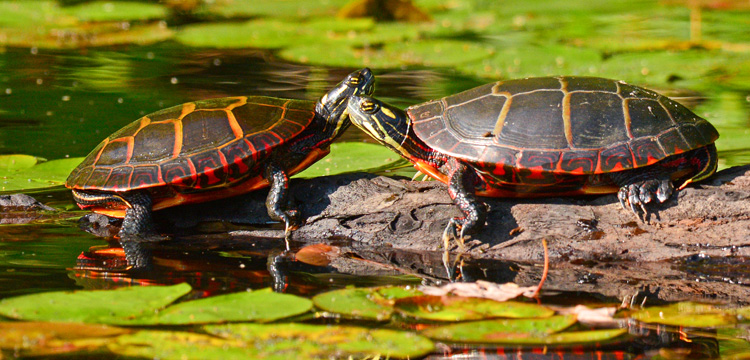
546	136
211	149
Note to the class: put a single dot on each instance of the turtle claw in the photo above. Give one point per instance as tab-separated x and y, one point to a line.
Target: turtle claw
451	232
639	194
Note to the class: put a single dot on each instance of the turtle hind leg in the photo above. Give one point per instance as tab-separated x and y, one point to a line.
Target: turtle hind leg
278	198
637	195
657	183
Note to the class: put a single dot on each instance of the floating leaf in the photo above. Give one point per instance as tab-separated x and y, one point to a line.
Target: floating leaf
26	14
480	289
278	8
16	162
180	345
324	341
116	11
363	303
254	33
259	305
317	254
121	306
96	34
524	61
44	174
688	314
455	308
438	52
346	55
352	157
500	331
48	338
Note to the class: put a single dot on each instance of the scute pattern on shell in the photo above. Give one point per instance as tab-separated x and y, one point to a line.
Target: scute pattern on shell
565	125
196	145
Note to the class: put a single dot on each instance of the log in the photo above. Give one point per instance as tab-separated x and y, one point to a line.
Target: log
594	244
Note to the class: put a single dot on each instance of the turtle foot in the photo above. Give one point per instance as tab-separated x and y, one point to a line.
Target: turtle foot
638	195
291	221
458	228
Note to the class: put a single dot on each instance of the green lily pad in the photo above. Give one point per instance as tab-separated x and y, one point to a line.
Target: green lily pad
20	14
455	308
154	344
88	35
331	38
323	341
116	11
363	303
254	33
16	162
340	25
259	305
438	52
278	8
688	314
344	55
19	173
121	306
49	338
352	157
524	61
500	331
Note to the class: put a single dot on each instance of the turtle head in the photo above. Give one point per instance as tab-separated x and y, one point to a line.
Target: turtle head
385	123
332	105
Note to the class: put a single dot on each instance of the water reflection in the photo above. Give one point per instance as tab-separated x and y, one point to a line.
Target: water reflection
217	263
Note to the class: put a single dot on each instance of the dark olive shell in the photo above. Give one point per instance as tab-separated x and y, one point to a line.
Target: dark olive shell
563	125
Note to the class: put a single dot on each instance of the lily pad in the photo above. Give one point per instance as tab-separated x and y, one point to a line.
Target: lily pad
363	303
17	172
455	308
500	331
259	305
278	8
323	341
121	306
48	338
688	314
352	157
20	14
438	52
154	344
116	11
17	162
524	61
254	33
96	34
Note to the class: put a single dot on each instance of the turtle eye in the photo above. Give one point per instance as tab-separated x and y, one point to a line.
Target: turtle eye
369	106
354	81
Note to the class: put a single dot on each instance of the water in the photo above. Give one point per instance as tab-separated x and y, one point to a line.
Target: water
56	104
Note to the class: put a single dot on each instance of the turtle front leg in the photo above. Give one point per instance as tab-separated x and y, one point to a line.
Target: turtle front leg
638	194
277	200
138	221
461	189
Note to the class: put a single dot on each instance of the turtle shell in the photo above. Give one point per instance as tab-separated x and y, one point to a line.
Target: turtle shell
559	125
201	145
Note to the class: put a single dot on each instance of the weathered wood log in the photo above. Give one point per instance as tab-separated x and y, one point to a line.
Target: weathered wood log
712	218
595	245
